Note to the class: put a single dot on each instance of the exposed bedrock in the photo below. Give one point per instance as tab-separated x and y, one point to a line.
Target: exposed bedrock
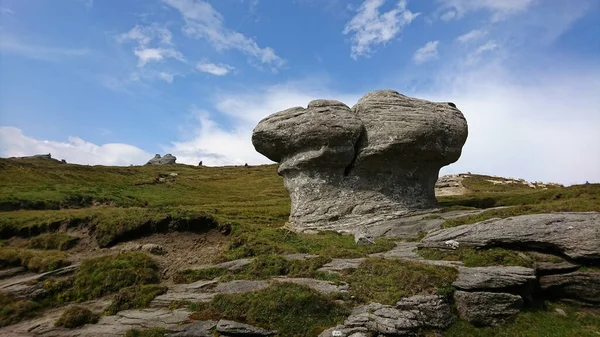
348	168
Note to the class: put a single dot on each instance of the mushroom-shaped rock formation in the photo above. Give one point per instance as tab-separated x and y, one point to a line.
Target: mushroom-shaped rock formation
357	168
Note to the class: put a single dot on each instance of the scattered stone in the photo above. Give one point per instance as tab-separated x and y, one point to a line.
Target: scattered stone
560	312
200	163
434	310
581	287
549	232
546	268
337	265
235	265
497	277
241	286
166	160
197	329
363	238
350	168
231	328
154	249
485	308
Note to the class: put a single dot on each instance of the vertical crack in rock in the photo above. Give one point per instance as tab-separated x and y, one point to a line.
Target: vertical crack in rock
352	168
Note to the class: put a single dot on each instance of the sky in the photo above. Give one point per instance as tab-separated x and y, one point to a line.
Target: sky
107	82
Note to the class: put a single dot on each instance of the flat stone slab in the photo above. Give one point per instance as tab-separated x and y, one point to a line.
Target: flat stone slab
321	286
497	277
576	235
231	328
487	308
341	264
579	286
205	291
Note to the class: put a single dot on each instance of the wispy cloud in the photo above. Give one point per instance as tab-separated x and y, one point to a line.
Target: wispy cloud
145	36
214	69
148	55
370	27
11	45
6	10
500	9
473	35
203	21
476	55
426	53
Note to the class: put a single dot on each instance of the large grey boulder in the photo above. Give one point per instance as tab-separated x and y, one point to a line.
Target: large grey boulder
408	317
349	168
482	278
166	160
486	308
576	235
582	287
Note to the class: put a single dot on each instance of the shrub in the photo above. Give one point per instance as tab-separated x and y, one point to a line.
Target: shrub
13	310
36	261
60	241
76	316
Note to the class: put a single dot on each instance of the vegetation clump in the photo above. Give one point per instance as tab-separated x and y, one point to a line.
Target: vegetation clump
60	241
152	332
13	310
34	260
479	258
103	275
291	309
134	297
387	281
76	316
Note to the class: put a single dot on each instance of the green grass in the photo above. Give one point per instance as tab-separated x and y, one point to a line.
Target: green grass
104	275
60	241
479	258
291	309
134	297
387	281
250	241
33	260
543	323
152	332
76	316
13	310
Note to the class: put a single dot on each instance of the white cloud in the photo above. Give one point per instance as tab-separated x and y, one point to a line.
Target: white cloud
214	69
476	55
500	9
6	10
473	35
203	21
146	34
13	143
426	53
371	28
10	45
148	55
167	77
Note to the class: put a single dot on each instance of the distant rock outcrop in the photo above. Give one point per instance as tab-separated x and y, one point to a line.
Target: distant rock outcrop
157	160
348	168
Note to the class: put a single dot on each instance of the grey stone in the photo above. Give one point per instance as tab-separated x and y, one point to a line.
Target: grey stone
5	273
582	287
196	329
363	238
231	328
497	277
240	286
486	308
235	265
433	311
154	249
321	286
351	168
576	235
545	268
560	312
166	160
341	264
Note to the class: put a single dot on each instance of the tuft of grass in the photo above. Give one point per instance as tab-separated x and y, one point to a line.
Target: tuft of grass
134	297
290	309
103	275
34	260
479	258
152	332
60	241
76	316
13	310
579	322
251	241
387	281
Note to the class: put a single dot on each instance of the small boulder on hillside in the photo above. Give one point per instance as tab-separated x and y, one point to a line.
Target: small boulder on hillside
166	160
486	308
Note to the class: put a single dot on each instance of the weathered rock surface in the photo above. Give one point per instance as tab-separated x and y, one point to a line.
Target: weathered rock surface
231	328
197	329
348	168
158	160
407	318
583	287
576	235
321	286
486	308
205	291
498	277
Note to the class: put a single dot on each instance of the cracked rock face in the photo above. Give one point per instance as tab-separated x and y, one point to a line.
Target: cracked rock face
349	168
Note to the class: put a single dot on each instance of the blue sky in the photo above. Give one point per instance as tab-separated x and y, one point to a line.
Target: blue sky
114	82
